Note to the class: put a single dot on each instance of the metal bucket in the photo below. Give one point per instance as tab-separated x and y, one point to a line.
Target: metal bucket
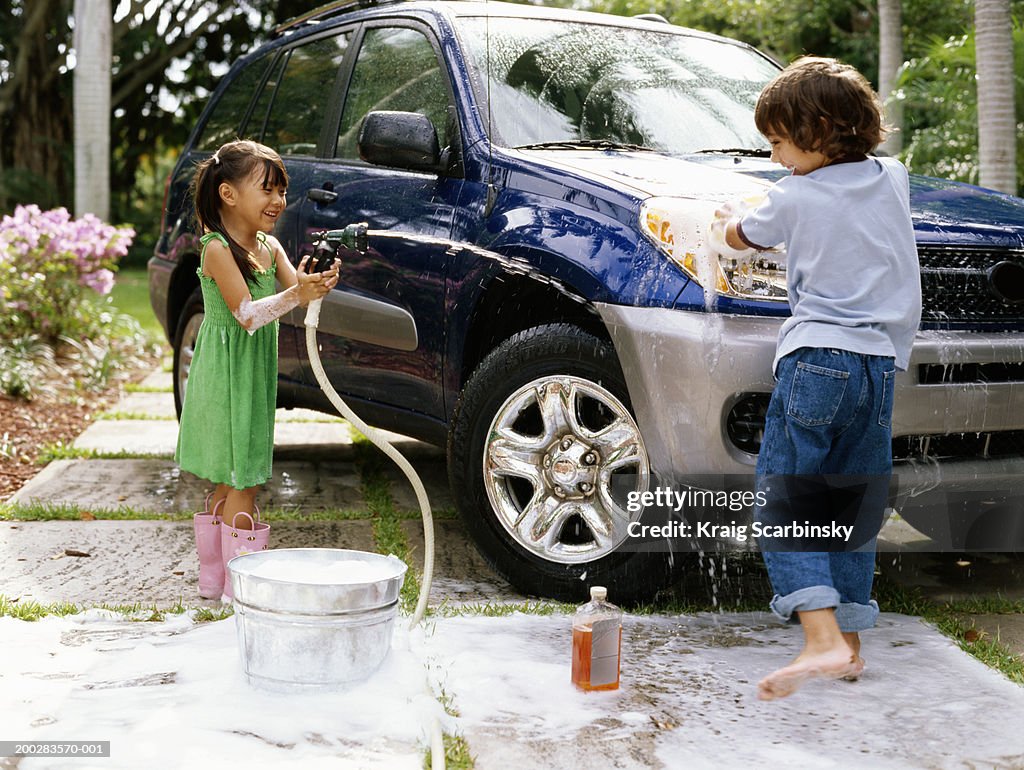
296	635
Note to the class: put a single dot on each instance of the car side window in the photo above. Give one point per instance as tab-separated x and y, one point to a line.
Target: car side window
223	125
298	97
397	69
254	128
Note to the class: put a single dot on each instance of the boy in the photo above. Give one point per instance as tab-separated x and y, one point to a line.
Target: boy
855	296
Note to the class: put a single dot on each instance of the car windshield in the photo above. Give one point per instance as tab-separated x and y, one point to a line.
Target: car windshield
565	82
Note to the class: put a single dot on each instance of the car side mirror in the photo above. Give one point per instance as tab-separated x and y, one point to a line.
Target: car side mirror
400	140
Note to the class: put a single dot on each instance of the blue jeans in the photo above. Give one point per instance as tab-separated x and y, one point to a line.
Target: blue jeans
830	416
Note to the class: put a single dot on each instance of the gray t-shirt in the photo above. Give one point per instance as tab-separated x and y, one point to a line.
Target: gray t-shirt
852	272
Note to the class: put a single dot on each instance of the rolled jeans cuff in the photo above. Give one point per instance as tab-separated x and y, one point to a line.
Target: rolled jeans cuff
853	617
803	600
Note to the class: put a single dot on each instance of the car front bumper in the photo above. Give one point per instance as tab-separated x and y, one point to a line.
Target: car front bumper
687	370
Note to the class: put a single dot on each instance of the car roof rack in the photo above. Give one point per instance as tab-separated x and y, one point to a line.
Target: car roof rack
651	17
324	11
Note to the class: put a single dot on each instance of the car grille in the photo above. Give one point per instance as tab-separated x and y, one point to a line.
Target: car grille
955	286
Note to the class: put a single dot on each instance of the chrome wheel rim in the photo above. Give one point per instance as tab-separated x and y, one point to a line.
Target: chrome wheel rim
188	351
561	456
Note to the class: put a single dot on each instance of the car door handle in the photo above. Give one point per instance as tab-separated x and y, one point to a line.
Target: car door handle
320	195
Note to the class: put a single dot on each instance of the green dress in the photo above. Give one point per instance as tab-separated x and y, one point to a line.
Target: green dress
226	433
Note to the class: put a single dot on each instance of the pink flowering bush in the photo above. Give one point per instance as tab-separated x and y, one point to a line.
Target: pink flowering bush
60	334
54	270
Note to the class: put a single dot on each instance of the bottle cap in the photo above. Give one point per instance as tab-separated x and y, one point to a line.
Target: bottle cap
598	593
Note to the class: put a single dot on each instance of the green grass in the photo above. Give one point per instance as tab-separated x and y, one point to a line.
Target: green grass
501	609
456	749
41	511
131	296
119	415
456	754
948	618
61	451
387	522
670	604
134	388
317	421
32	611
38	511
442	514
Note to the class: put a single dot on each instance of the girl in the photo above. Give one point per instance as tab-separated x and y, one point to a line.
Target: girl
227	418
855	295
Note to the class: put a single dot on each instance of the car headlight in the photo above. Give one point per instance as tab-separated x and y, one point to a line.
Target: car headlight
678	227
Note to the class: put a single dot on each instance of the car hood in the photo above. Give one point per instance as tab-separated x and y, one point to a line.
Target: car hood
943	211
649	174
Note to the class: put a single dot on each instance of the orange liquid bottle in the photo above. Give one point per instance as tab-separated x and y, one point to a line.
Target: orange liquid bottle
597	643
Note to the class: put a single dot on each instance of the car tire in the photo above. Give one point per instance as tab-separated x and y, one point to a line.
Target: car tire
547	414
189	321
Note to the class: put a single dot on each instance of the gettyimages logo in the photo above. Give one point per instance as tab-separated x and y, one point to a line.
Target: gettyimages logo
678	500
781	513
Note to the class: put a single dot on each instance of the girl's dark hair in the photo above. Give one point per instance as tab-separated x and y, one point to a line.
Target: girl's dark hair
233	163
822	105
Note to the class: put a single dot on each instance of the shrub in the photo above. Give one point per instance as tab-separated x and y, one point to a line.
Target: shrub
28	367
59	332
53	271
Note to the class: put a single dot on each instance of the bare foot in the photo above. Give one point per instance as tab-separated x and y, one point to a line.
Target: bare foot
834	663
856	671
853	639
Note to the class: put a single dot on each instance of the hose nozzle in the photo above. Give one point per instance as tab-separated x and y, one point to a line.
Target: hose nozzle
328	244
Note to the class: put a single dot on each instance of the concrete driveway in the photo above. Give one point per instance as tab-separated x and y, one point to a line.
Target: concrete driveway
688	694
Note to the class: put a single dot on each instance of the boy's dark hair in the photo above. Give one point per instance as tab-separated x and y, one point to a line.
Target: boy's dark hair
822	105
232	163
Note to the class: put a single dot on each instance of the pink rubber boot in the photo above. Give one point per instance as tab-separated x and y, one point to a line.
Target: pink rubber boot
235	542
207	527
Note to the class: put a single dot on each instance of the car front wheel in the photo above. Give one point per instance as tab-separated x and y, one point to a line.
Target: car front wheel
542	455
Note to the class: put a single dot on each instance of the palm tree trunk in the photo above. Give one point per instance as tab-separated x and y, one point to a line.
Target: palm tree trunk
93	22
997	121
890	59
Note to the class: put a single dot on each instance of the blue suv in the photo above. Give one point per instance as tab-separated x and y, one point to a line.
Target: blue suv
535	295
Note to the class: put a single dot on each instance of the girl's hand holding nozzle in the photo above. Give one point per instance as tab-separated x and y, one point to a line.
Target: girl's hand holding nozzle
314	286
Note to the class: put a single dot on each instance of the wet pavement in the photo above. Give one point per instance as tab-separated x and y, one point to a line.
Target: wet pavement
689	682
172	694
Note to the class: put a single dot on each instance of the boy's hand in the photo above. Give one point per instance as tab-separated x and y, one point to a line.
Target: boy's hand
722	237
727	210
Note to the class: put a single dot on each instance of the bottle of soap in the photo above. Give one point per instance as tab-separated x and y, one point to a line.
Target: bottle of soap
596	643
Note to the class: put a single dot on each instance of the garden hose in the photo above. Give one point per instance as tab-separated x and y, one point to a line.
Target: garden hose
377	438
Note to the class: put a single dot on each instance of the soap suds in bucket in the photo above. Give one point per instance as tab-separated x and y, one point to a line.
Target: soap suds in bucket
296	570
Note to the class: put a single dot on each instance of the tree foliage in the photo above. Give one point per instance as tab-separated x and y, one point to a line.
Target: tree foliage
35	102
941	105
786	29
168	57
